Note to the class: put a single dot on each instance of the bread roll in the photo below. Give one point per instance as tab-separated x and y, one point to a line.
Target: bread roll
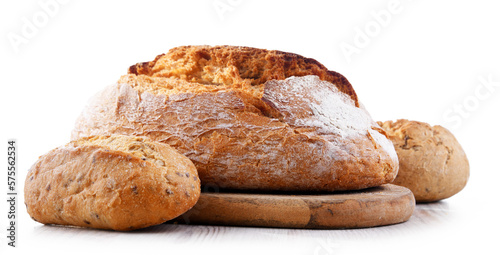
116	182
249	119
432	164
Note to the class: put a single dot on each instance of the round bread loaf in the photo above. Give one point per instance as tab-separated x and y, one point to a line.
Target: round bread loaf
249	119
432	164
111	182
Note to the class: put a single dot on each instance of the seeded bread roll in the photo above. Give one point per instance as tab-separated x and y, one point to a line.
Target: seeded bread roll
249	119
111	182
432	164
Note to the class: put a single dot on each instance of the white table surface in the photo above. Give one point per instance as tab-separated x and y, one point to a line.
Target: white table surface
463	224
421	63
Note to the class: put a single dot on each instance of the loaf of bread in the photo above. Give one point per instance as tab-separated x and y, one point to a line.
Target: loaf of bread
249	119
111	182
432	164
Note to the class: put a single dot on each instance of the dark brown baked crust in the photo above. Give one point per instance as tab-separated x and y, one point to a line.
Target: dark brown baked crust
249	66
92	185
239	133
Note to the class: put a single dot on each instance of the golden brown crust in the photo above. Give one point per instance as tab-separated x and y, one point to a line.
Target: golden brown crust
240	134
92	184
236	66
432	164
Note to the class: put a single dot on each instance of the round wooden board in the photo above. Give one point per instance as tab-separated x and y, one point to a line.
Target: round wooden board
384	205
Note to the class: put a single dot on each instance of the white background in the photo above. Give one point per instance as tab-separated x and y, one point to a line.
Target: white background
420	60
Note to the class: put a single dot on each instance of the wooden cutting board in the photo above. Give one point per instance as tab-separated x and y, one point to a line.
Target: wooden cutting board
384	205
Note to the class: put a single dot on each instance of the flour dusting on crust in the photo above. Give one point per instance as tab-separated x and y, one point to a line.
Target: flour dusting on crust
308	102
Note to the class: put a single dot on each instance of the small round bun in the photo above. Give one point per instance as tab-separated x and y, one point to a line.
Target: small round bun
111	182
432	164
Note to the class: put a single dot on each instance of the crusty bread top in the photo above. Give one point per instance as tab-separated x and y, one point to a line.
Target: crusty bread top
226	67
140	147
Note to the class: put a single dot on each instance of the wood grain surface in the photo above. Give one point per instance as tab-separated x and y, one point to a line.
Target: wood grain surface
384	205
